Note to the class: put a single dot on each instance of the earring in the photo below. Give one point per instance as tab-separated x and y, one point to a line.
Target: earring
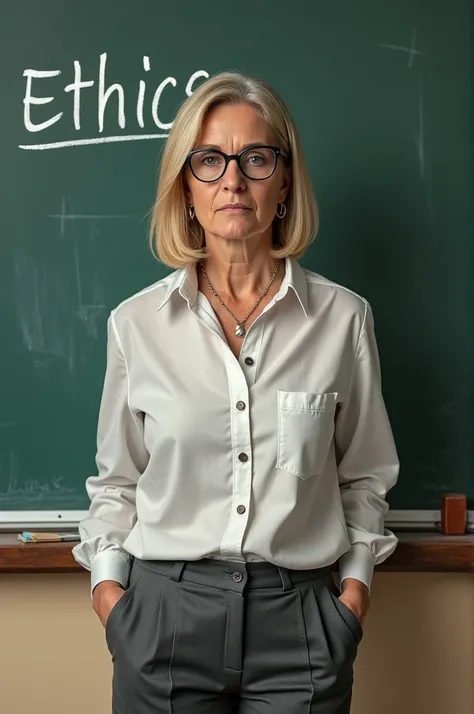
281	212
191	212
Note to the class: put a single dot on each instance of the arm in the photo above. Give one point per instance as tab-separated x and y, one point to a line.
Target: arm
367	463
121	458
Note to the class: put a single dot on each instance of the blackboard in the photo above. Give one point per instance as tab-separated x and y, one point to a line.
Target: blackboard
381	93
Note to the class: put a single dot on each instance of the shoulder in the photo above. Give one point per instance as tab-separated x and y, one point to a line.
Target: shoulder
338	297
144	302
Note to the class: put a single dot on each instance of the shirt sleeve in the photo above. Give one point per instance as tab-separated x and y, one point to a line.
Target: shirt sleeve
367	461
121	458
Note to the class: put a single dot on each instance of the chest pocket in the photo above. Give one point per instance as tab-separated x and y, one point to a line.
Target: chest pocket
305	431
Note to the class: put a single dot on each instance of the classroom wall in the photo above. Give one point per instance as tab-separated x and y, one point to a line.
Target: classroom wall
416	657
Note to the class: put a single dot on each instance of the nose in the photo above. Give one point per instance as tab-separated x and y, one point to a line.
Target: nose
233	179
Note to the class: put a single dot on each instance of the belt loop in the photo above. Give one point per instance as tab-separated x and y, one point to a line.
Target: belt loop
285	578
177	570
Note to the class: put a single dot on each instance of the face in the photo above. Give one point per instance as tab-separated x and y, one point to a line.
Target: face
231	128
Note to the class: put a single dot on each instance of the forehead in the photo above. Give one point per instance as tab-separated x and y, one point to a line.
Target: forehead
234	124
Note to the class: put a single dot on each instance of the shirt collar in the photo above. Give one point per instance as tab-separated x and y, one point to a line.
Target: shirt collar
185	281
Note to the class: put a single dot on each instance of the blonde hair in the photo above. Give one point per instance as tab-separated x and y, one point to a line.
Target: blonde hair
178	241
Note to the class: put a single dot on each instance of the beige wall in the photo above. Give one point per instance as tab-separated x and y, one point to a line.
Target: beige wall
416	657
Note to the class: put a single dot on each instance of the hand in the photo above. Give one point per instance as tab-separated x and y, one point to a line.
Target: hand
106	594
355	594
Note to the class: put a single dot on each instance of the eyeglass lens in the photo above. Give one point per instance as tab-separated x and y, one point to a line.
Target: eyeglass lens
209	165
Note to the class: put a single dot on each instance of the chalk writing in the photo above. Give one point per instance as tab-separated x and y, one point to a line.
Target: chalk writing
77	87
32	490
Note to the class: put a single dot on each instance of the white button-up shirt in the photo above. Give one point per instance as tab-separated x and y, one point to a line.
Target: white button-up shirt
283	455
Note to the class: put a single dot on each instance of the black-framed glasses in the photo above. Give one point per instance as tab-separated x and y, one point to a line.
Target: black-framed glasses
256	162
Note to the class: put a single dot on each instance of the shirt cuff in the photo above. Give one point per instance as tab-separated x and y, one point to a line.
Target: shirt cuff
110	564
358	562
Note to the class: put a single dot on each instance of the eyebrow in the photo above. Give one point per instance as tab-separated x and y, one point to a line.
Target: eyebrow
218	148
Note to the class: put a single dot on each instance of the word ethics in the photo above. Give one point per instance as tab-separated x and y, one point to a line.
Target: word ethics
104	93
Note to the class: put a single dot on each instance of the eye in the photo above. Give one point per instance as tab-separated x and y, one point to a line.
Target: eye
256	159
210	159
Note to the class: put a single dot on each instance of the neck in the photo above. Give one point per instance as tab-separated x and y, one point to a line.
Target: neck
240	274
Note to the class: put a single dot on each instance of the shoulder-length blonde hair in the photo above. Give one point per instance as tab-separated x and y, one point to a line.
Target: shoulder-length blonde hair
178	241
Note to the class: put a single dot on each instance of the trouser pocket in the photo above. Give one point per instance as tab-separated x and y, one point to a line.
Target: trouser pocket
349	618
119	610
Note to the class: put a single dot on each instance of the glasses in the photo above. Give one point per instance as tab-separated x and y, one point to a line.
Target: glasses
256	163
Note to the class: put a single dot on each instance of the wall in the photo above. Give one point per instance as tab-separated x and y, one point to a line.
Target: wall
416	657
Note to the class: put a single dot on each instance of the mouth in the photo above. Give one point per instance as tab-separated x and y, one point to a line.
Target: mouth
234	208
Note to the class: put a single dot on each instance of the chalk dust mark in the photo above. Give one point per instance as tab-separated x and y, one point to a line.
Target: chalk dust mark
419	137
411	57
77	267
411	51
63	216
420	134
429	198
91	315
89	312
445	409
91	318
42	311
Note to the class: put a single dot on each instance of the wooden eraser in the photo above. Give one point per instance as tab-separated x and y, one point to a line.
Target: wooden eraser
454	513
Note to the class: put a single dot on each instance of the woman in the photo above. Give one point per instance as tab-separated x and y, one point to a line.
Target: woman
243	443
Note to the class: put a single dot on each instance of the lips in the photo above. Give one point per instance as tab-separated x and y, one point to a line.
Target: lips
234	206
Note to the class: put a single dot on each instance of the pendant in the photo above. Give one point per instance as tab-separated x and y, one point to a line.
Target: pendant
239	330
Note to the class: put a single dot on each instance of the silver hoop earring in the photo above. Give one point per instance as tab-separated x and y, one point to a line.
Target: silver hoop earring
281	210
191	212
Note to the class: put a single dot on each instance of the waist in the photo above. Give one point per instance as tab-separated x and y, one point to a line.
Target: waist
220	573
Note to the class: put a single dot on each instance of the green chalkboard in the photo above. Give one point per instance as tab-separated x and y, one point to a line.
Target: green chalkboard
381	92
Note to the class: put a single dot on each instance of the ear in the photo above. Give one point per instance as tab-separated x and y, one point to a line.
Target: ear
286	184
187	193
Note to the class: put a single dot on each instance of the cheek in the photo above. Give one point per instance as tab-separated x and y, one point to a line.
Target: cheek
266	198
202	196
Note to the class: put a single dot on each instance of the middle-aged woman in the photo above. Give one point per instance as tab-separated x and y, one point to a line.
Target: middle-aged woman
243	443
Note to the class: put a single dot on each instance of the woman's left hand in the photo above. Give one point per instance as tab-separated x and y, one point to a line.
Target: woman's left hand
355	594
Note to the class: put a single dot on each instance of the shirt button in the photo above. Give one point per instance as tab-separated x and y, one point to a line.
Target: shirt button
240	405
249	361
243	457
241	509
237	577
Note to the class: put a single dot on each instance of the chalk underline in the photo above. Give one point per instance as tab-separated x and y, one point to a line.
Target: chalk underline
95	140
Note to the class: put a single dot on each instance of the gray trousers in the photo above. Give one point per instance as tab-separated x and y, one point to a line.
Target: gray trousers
215	637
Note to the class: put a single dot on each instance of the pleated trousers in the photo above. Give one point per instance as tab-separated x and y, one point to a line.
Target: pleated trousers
219	637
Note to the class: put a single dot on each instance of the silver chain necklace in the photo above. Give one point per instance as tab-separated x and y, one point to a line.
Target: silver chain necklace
240	329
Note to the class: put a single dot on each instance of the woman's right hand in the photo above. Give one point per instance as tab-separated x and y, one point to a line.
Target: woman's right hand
106	594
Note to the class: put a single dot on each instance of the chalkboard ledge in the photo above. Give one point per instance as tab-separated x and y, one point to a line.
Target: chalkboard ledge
416	552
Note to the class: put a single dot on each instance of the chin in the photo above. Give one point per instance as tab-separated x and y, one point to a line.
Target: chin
235	235
237	229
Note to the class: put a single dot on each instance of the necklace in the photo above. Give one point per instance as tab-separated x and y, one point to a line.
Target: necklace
240	329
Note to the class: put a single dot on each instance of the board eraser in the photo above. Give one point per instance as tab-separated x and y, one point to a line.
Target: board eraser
454	513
